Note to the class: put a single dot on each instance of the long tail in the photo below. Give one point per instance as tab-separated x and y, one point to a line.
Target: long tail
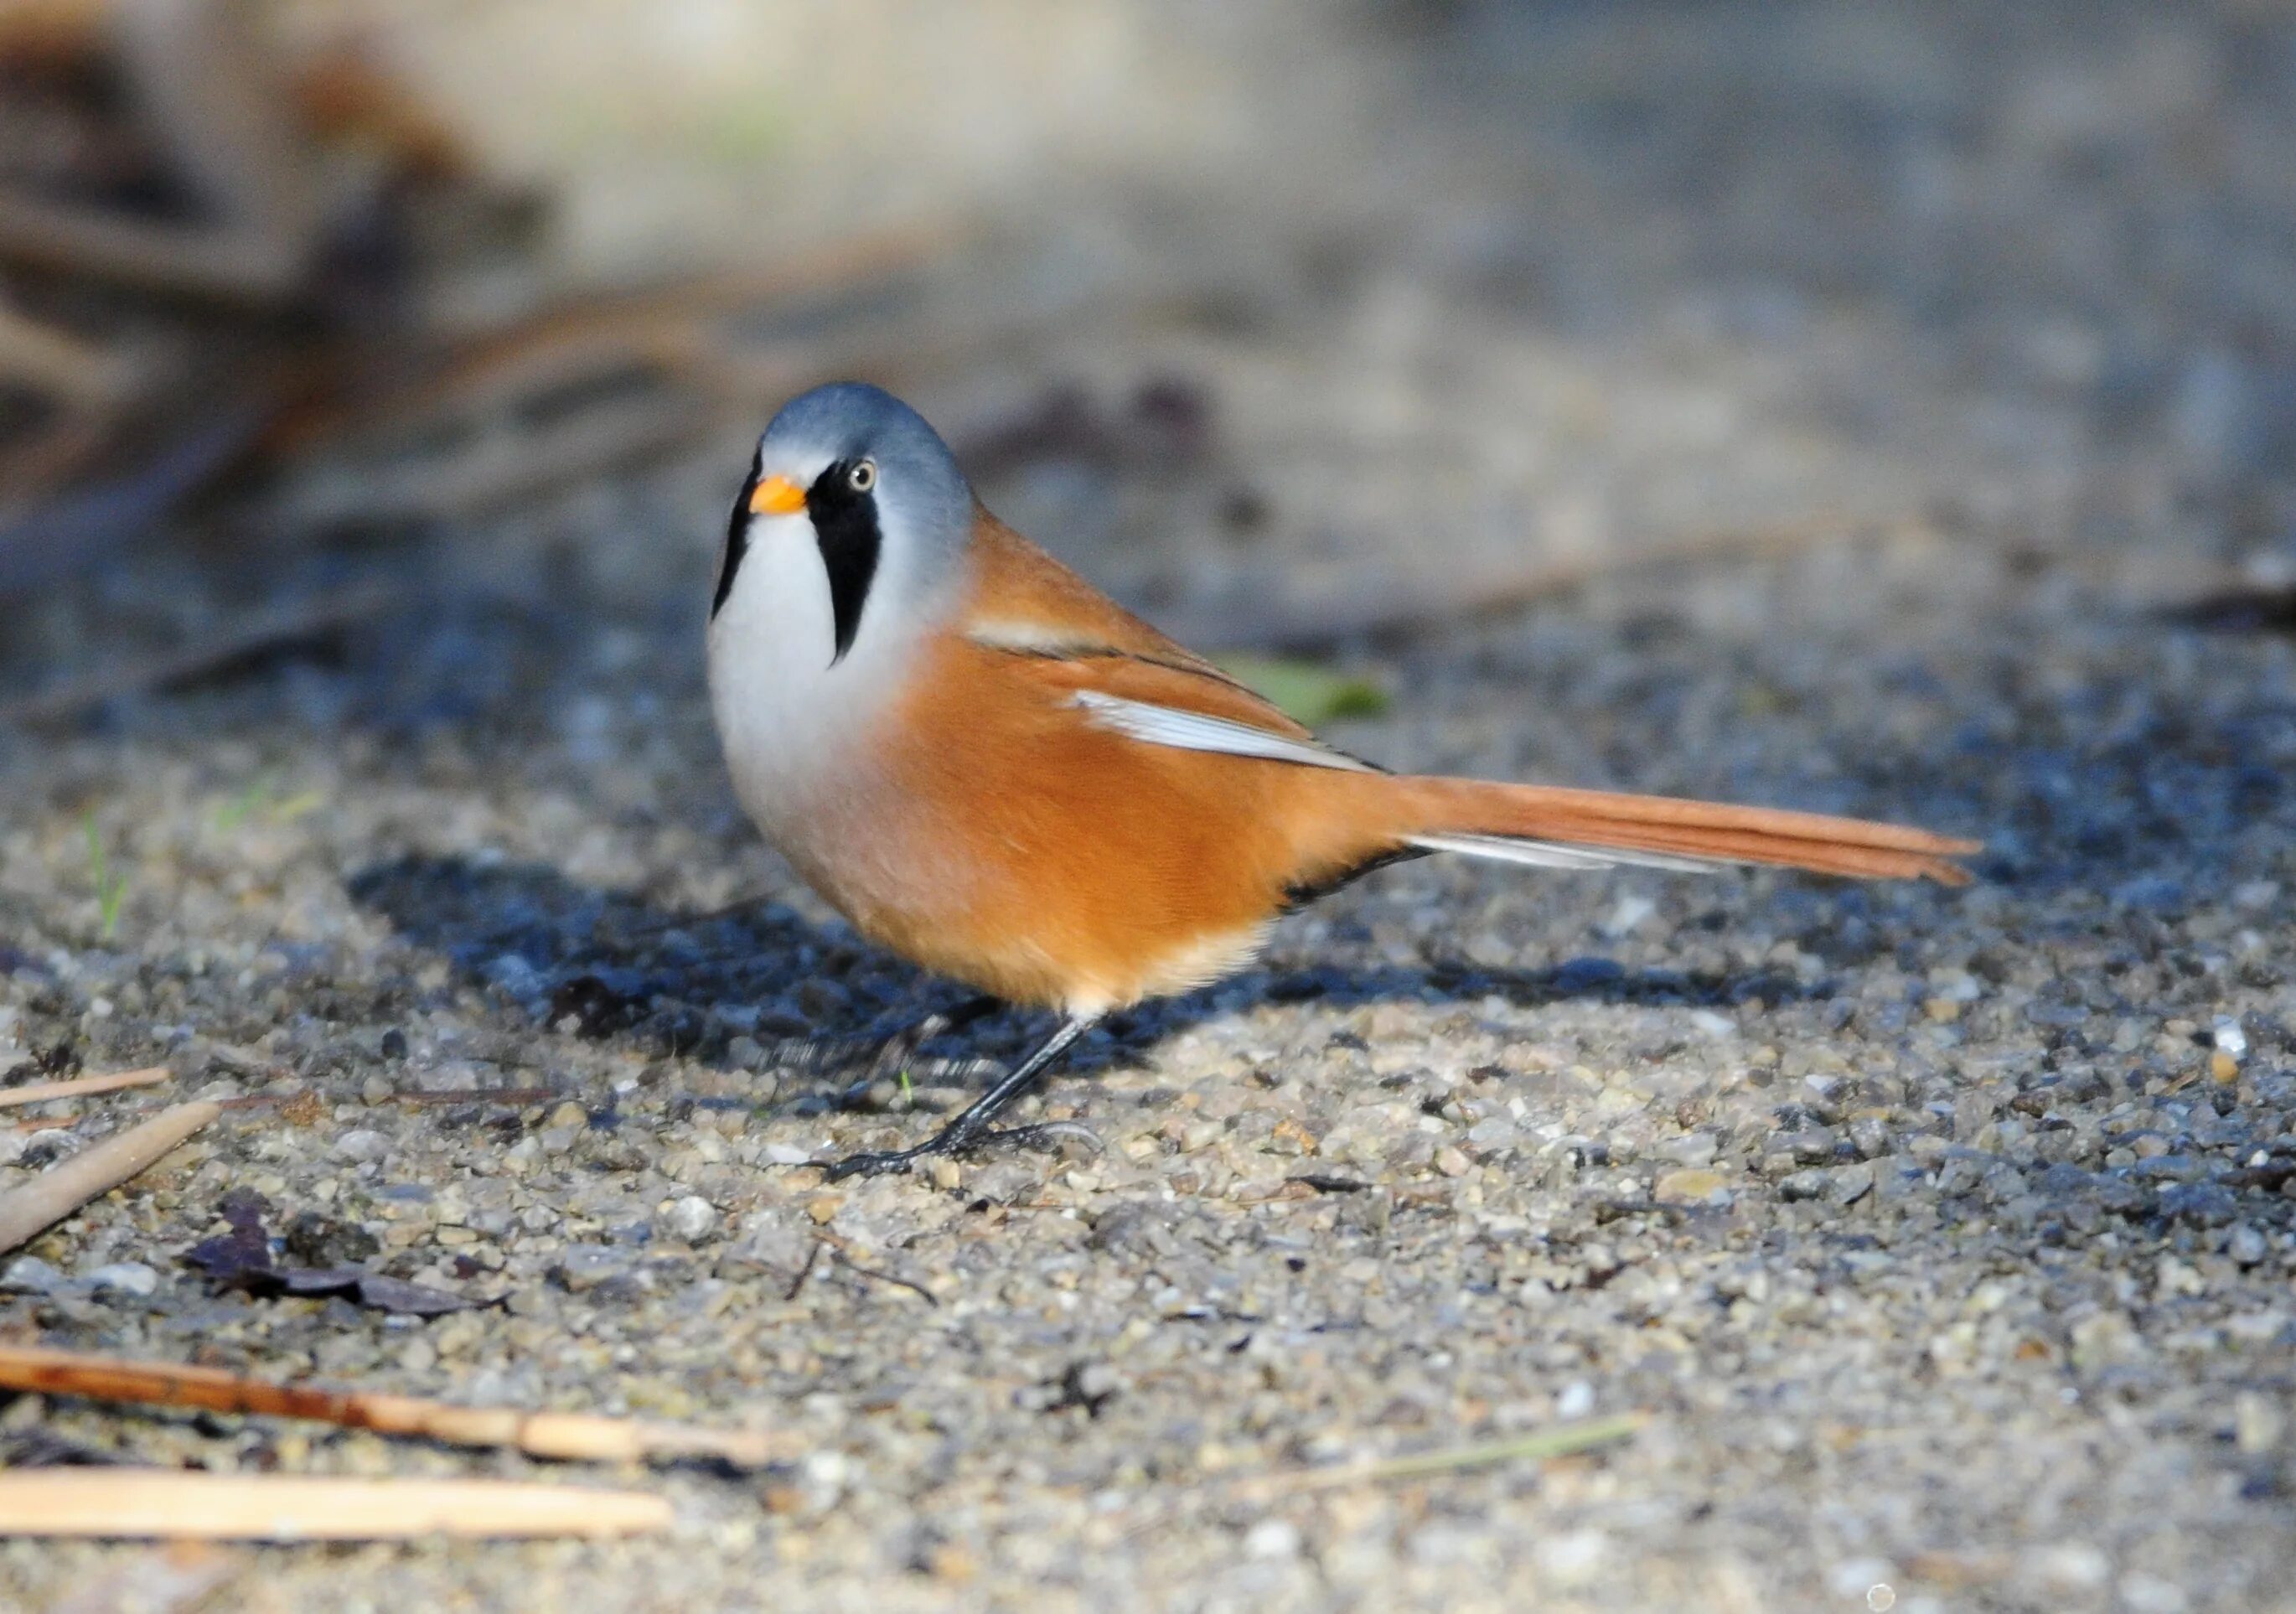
1591	829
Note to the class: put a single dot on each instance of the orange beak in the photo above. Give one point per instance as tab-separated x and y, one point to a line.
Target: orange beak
776	496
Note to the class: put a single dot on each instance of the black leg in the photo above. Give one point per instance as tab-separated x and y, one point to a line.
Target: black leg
971	1126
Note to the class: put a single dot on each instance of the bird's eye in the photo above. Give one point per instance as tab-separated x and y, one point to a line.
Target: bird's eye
862	476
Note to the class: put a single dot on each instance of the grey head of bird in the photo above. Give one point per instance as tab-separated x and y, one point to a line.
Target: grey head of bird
888	510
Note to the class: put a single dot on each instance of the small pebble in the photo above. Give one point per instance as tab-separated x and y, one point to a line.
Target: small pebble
2068	1566
1573	1558
31	1275
362	1145
1271	1539
47	1146
1857	1577
124	1277
689	1217
582	1267
1687	1187
1632	909
2230	1037
2259	1422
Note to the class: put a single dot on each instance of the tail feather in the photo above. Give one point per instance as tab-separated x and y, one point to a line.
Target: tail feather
1573	828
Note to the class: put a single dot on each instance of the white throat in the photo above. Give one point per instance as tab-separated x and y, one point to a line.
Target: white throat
791	722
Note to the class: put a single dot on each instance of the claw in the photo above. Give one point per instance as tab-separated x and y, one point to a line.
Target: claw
948	1140
1046	1135
869	1164
971	1130
955	1139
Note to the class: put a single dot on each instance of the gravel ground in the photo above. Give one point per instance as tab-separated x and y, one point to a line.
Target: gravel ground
1943	1238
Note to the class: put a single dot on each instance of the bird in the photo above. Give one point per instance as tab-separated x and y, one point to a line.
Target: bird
992	769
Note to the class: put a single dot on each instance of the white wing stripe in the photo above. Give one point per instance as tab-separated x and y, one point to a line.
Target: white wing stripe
1558	855
1190	731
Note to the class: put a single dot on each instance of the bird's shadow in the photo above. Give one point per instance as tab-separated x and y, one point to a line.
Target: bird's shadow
816	1004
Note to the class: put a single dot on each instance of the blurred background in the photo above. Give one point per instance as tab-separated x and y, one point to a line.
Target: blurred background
389	361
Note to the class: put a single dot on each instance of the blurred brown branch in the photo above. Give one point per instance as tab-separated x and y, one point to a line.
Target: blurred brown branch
170	1505
198	233
258	293
571	1437
230	277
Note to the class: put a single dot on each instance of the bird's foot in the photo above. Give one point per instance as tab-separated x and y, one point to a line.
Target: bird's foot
872	1163
959	1139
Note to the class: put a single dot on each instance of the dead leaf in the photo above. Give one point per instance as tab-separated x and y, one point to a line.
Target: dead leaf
241	1259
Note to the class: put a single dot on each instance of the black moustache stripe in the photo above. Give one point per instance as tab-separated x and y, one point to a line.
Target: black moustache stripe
737	536
845	525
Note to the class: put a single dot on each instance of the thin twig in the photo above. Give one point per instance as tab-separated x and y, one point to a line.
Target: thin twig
1163	1509
898	1281
516	1097
568	1436
1560	1440
173	1504
805	1273
519	1098
40	1092
95	1171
